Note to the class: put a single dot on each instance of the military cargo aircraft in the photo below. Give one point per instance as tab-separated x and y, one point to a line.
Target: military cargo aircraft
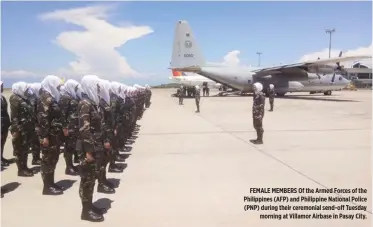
310	76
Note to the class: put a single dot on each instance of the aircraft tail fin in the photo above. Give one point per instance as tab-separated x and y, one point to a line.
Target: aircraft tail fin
185	52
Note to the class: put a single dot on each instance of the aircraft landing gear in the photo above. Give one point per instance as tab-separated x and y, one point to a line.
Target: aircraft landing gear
328	93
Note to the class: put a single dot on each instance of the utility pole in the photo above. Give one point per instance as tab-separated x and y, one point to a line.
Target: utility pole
258	53
330	31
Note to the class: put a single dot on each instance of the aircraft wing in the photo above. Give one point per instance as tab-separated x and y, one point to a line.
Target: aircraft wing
304	65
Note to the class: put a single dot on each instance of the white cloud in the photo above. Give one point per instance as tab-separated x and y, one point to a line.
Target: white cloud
15	74
232	58
96	46
335	52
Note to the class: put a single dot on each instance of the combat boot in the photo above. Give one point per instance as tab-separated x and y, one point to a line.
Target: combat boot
48	188
22	171
113	168
102	188
257	137
70	169
260	138
119	158
106	182
89	215
56	186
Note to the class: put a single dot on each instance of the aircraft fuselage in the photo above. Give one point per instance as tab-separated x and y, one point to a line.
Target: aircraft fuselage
242	79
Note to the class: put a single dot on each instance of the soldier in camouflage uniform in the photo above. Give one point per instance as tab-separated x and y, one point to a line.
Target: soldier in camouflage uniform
89	146
50	129
34	140
115	105
197	97
258	112
70	122
5	124
21	126
104	186
148	96
180	94
271	95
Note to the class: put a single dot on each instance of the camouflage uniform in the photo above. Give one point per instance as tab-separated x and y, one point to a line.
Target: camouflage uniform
180	95
148	98
271	96
34	140
258	114
105	156
115	112
89	141
197	97
5	124
21	127
50	127
70	121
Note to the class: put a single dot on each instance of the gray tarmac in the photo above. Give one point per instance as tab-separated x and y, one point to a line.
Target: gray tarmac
189	169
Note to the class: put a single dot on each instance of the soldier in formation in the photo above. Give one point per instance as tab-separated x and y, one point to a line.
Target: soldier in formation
271	96
70	123
5	124
21	126
258	112
92	120
34	142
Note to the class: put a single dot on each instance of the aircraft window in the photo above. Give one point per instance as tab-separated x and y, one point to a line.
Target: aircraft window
340	78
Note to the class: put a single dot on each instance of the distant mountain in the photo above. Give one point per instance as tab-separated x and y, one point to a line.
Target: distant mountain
170	85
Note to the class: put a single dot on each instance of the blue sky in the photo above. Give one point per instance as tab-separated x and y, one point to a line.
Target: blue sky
283	31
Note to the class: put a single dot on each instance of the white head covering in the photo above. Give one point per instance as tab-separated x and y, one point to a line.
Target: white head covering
89	86
79	91
116	88
197	87
20	89
123	91
50	84
69	88
35	88
271	86
104	91
258	87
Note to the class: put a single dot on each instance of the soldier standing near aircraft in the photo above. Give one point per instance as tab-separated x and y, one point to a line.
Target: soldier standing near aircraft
258	112
271	95
21	126
50	129
34	140
89	146
180	94
5	124
70	123
197	97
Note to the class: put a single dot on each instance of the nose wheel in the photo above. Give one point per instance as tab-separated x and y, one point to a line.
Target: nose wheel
328	93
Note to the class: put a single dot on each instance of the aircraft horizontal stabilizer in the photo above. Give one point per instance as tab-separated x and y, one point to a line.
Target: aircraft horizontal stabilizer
194	69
